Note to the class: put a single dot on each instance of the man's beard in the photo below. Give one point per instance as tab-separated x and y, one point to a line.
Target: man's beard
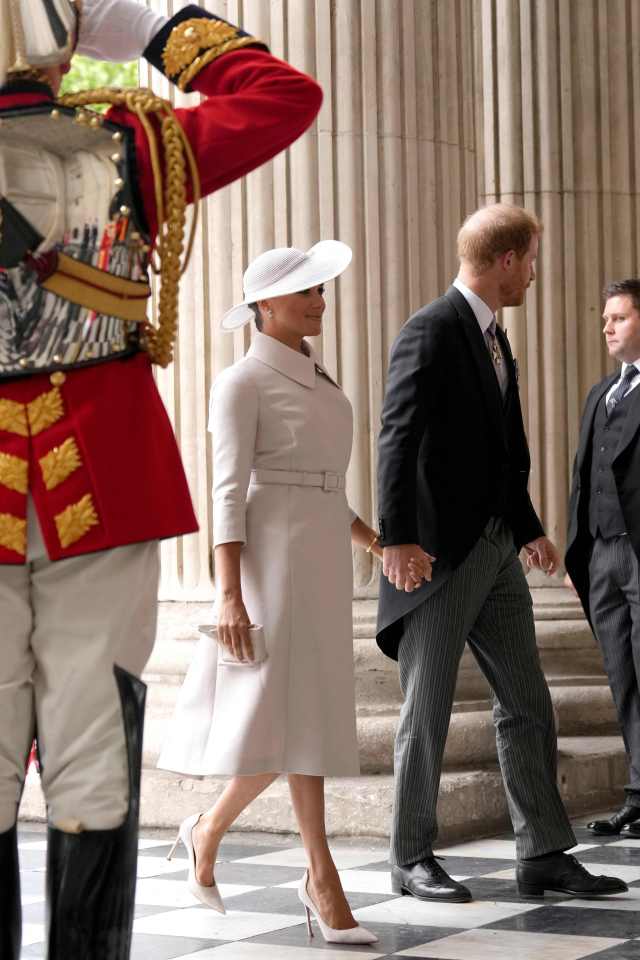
512	295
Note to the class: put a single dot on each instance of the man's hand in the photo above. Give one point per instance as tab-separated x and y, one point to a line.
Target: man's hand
117	30
406	565
542	555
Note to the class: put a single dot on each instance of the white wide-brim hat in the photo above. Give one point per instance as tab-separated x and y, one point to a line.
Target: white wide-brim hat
287	270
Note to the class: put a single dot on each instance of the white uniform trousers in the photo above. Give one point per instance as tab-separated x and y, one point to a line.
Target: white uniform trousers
63	626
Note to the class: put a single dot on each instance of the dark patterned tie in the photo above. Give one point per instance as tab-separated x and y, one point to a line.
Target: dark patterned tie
497	359
622	388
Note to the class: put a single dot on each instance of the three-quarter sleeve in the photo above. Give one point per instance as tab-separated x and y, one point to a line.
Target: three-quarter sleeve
233	422
352	514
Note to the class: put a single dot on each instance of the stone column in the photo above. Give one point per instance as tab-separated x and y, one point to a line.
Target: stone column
430	109
557	84
389	168
558	95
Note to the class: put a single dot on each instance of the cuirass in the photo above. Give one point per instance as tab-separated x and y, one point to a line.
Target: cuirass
69	174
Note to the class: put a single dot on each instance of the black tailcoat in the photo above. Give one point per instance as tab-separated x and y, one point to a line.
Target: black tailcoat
452	454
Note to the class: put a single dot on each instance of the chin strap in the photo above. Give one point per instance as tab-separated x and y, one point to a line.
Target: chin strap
171	202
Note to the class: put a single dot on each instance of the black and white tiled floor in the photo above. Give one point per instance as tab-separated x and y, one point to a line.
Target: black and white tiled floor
258	876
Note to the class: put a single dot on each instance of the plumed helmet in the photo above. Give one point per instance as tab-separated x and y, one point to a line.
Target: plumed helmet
35	33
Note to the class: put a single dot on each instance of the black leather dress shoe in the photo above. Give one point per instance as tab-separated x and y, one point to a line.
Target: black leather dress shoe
632	829
617	822
426	880
562	873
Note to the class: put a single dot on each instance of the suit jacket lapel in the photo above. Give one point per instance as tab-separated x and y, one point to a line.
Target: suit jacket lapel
478	346
588	417
631	423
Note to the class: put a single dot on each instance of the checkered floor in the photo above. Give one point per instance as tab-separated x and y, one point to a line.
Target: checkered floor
258	876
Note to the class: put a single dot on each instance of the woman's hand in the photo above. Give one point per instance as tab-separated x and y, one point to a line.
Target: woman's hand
406	565
420	567
233	628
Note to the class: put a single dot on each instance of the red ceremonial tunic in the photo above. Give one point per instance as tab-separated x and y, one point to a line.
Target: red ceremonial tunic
94	446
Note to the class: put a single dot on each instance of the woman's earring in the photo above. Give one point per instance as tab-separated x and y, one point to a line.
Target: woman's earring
270	313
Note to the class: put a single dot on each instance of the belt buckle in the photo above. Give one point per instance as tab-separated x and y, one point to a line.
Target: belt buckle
328	486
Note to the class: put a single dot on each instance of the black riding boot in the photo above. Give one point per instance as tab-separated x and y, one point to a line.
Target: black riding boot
10	907
91	876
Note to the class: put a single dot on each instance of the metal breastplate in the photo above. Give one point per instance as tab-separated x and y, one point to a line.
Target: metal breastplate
69	174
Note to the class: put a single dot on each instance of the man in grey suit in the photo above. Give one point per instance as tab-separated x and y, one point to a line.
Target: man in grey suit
453	474
603	543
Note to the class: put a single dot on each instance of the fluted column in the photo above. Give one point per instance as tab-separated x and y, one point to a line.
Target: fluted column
558	97
389	168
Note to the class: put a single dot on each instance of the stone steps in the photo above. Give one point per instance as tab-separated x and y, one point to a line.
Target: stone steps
592	766
591	772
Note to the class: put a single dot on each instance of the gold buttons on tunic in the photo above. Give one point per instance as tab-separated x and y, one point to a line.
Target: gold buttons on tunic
58	378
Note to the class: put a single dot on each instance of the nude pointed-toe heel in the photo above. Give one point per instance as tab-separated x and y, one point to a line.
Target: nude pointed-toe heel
210	896
355	934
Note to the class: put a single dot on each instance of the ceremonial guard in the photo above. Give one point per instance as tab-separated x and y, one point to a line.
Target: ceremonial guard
90	475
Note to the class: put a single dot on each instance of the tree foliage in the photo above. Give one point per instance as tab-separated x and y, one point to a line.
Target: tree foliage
86	74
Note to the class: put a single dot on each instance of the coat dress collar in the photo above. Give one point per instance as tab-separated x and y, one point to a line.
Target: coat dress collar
291	363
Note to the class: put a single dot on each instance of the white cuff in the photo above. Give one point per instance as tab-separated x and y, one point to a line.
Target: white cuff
229	526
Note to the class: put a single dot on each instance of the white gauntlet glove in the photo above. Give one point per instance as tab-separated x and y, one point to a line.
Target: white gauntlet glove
117	29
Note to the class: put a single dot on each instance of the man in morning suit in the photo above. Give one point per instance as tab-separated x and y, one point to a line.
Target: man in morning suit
453	473
603	543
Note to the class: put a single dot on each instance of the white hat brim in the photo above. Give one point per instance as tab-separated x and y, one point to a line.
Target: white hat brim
326	260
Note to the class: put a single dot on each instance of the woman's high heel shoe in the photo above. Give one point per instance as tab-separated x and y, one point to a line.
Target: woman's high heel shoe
207	895
356	934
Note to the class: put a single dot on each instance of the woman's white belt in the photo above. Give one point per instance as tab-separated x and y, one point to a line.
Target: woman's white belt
330	482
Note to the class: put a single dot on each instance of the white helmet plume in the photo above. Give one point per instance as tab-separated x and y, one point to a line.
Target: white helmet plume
35	33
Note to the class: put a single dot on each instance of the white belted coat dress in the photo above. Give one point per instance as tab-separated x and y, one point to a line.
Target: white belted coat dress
280	426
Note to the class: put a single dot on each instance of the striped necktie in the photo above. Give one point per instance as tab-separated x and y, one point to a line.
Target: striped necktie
622	388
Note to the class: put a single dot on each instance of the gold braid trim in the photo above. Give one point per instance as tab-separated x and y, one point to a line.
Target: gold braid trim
13	533
45	410
76	520
13	417
14	472
60	463
209	56
195	43
171	204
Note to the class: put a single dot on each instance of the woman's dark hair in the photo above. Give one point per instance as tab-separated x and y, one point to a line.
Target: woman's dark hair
256	315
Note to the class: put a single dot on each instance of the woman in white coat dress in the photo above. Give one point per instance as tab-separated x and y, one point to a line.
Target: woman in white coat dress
282	433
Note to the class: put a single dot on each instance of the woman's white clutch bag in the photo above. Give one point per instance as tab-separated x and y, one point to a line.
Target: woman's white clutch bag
226	657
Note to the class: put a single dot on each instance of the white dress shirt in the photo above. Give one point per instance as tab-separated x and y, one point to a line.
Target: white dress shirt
485	317
634	382
483	314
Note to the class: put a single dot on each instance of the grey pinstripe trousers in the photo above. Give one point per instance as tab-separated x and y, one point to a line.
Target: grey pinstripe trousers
485	602
614	601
